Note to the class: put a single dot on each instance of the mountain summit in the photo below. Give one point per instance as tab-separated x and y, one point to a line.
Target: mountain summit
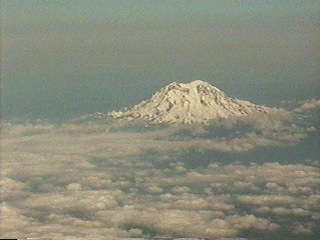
194	102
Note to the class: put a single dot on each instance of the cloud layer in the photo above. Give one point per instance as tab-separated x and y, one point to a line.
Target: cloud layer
88	181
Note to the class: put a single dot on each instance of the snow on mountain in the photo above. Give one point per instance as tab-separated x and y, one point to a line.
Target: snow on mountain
194	102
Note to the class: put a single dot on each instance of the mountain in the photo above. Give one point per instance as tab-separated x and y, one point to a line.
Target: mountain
194	102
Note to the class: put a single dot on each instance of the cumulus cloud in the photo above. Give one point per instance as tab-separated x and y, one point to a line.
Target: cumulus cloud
84	181
308	105
279	127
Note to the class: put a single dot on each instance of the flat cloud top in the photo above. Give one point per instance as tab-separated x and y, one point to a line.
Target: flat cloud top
96	180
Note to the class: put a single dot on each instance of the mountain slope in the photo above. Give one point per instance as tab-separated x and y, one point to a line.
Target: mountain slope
195	102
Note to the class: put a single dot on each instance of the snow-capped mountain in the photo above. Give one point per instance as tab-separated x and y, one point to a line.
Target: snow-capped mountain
194	102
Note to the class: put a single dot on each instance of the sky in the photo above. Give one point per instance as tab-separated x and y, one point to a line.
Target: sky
64	59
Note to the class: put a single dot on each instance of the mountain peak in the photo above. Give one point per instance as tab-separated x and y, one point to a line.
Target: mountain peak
193	102
196	83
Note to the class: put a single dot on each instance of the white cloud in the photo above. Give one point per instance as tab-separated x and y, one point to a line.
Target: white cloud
65	181
309	104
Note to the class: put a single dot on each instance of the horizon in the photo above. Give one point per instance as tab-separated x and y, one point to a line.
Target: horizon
62	60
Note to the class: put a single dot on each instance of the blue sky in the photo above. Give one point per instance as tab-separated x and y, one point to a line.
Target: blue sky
63	59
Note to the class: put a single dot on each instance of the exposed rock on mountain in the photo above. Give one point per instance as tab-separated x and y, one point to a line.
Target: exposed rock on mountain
194	102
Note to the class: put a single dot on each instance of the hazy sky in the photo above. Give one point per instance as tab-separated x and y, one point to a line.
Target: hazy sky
63	59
